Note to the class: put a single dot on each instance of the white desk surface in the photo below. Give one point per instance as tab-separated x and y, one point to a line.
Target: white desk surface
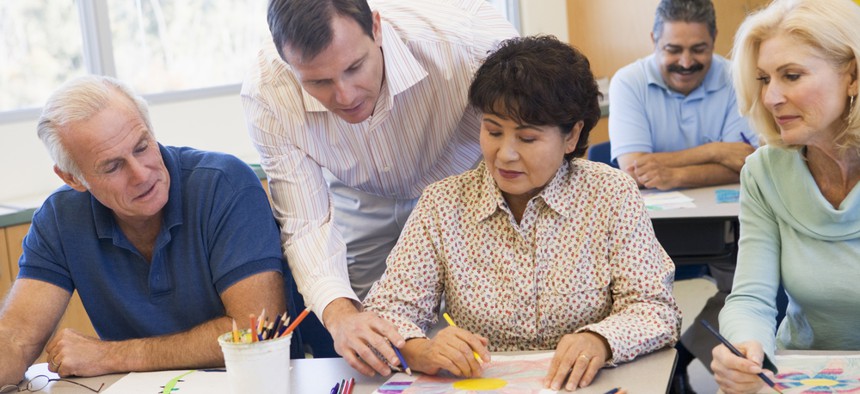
647	374
706	205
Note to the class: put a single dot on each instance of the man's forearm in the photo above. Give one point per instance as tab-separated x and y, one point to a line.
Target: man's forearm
728	154
706	175
195	348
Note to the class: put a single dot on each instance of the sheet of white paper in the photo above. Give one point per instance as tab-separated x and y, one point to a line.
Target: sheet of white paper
197	382
661	201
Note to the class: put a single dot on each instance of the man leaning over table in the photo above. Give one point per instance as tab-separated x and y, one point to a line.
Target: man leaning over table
164	245
674	123
354	110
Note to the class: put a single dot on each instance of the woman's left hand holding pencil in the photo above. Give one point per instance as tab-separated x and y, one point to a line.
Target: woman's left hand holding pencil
452	349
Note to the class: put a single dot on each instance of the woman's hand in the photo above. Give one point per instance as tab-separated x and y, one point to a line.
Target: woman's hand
735	374
577	359
452	350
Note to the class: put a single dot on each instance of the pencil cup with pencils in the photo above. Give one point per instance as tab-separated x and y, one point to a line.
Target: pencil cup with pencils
261	366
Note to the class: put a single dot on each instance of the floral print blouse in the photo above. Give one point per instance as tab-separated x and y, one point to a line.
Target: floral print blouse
583	258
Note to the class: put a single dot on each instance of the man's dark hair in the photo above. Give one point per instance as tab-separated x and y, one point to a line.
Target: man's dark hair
690	11
305	25
539	81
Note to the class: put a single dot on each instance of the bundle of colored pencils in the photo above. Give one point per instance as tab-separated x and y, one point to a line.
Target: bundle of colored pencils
262	329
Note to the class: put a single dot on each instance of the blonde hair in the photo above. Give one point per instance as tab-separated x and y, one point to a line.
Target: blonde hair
830	27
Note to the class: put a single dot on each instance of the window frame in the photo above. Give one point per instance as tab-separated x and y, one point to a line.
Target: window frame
99	60
99	57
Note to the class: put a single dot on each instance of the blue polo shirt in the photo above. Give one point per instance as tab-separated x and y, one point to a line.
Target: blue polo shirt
646	116
217	230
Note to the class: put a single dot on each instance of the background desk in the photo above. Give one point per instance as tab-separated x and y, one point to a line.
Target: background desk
704	234
647	374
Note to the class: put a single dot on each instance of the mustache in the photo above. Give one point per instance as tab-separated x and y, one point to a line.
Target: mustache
674	68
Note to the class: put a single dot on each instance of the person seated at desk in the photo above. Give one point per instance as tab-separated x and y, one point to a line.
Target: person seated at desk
164	245
674	123
673	115
796	67
536	248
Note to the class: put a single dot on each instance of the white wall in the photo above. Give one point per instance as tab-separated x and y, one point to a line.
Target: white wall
544	17
215	123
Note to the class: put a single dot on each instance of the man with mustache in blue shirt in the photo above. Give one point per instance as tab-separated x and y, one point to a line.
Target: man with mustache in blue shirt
674	123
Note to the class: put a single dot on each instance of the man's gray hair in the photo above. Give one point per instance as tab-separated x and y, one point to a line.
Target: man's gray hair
77	100
690	11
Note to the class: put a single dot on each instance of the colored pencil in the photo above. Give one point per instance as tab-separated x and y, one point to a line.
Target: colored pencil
402	360
260	324
253	328
296	322
451	323
738	353
235	332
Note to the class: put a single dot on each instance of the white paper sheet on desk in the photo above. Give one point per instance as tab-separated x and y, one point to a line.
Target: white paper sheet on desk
505	374
661	201
197	382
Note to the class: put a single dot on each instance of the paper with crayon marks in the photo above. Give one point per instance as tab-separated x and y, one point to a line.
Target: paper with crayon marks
504	375
817	374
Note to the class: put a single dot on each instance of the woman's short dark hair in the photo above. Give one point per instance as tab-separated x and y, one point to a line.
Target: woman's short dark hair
305	25
539	81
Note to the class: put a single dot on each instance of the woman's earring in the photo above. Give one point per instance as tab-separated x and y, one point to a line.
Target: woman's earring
850	106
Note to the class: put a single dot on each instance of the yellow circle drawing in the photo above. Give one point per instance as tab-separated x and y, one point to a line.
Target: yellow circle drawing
481	384
818	382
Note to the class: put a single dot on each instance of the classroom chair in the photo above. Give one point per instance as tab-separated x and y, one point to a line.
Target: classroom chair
601	152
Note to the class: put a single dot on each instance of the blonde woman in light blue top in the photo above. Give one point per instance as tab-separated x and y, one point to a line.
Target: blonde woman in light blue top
796	77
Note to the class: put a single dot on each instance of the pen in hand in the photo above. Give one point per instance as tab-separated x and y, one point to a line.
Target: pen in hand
738	353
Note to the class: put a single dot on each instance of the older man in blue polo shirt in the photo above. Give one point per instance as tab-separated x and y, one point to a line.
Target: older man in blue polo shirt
165	245
674	123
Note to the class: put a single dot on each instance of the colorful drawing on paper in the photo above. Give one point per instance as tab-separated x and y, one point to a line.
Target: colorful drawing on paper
817	374
504	375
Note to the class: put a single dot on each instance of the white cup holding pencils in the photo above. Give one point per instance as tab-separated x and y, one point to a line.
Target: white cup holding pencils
257	367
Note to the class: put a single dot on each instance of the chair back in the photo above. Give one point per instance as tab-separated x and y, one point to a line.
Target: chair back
602	152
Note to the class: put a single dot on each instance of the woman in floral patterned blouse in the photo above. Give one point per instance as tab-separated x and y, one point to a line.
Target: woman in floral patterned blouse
536	248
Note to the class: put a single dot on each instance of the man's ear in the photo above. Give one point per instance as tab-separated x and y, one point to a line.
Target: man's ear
377	28
70	179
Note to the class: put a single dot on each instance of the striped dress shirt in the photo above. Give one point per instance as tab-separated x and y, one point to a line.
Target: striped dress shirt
421	131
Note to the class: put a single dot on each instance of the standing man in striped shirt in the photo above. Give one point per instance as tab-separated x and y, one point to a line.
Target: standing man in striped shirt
354	110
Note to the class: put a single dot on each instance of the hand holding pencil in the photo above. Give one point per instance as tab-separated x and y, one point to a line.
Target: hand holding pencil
738	368
453	349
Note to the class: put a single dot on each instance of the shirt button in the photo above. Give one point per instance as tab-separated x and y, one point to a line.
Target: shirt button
386	168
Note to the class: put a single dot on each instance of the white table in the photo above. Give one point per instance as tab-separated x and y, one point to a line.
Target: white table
706	205
647	374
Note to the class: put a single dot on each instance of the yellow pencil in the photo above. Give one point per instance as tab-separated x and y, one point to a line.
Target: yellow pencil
451	323
235	332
